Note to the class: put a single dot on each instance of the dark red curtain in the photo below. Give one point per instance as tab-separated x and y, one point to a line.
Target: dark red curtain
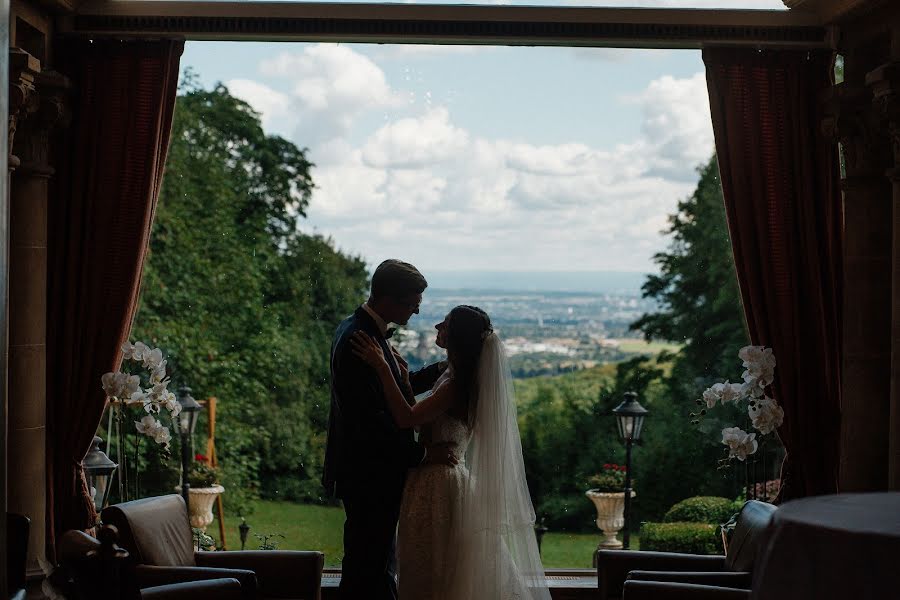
780	178
103	201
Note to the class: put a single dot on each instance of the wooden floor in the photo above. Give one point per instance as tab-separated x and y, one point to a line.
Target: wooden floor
565	584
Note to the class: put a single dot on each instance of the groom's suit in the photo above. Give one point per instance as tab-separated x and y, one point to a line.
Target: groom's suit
366	460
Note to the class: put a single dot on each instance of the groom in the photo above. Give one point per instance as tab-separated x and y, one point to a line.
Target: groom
367	456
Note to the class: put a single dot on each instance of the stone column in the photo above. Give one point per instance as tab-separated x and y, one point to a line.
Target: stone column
885	85
28	309
865	406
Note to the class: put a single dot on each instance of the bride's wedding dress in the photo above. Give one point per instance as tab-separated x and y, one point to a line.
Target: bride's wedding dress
467	532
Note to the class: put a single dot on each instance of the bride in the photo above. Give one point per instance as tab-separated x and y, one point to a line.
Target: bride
466	531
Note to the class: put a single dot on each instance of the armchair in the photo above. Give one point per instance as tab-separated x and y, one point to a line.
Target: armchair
657	590
733	570
157	534
17	530
89	568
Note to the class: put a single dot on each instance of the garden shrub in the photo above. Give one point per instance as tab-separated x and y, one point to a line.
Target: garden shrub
701	509
692	538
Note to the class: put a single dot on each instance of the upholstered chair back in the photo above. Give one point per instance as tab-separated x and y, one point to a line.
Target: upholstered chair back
155	531
749	536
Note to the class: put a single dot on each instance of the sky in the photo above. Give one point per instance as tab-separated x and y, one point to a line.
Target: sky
484	158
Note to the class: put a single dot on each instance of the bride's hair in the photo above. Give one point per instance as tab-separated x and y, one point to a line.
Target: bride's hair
467	328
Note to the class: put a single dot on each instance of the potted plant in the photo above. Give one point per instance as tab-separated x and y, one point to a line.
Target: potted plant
608	495
204	481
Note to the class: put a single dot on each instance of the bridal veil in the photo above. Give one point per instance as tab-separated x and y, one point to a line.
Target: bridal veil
493	553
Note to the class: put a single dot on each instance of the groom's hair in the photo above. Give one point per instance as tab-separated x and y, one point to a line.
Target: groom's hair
396	278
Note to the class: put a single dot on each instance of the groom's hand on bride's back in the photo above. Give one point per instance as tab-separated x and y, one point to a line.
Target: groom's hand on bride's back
441	454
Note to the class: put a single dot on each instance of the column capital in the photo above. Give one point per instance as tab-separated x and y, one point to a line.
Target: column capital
52	111
884	82
23	70
850	118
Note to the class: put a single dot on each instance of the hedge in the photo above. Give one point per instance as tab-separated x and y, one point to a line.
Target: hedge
693	538
701	509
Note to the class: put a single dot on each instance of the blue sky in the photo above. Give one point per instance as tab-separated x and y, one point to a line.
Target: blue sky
484	158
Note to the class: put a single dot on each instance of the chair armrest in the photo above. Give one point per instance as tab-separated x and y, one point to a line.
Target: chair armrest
150	576
661	590
280	573
210	589
731	579
613	566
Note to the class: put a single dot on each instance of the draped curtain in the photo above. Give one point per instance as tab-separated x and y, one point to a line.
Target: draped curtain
102	205
780	180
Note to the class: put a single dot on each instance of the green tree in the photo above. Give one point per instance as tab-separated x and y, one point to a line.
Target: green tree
243	303
696	289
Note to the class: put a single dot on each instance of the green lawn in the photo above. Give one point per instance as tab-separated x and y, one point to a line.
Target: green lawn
309	527
639	346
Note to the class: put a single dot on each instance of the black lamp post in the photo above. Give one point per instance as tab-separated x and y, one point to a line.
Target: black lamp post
630	418
99	470
243	529
187	421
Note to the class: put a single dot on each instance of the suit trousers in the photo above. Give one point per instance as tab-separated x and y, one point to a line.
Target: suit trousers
368	570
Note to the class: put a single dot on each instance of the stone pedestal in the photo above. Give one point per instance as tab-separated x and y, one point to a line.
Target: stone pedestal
610	516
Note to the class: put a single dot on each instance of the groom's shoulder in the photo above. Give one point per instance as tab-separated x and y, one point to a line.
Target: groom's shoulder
346	328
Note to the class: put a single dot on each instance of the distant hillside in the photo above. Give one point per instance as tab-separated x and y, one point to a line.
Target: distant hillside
601	282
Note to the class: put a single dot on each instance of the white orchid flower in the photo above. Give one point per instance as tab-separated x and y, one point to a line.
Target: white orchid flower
766	415
162	435
138	397
127	351
740	443
111	384
139	350
152	358
147	426
711	396
159	374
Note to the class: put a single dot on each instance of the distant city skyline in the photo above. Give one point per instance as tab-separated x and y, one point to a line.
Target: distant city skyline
484	157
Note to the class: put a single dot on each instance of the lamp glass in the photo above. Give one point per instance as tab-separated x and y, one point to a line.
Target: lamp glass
99	470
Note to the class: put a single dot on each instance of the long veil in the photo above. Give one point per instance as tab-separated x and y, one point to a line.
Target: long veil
493	551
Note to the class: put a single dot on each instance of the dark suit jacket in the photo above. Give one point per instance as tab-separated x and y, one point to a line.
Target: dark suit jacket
365	448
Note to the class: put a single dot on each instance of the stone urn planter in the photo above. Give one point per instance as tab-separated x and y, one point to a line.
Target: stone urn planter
610	516
201	503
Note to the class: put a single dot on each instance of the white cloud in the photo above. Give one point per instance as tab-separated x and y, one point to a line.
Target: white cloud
331	87
269	103
415	142
676	125
421	187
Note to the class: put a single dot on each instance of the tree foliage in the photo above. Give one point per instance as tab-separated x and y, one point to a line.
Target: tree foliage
241	300
567	429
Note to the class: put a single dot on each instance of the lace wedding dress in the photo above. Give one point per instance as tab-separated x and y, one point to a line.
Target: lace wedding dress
467	532
431	499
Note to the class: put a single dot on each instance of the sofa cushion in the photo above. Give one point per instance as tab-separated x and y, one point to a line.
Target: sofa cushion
155	531
750	535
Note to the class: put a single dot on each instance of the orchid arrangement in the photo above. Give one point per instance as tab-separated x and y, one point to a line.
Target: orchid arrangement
764	413
127	389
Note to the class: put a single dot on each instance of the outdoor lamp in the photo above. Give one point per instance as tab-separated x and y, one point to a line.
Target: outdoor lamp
190	408
187	421
99	470
630	418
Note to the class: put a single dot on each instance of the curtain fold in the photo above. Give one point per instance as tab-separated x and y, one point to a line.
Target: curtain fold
780	179
102	205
